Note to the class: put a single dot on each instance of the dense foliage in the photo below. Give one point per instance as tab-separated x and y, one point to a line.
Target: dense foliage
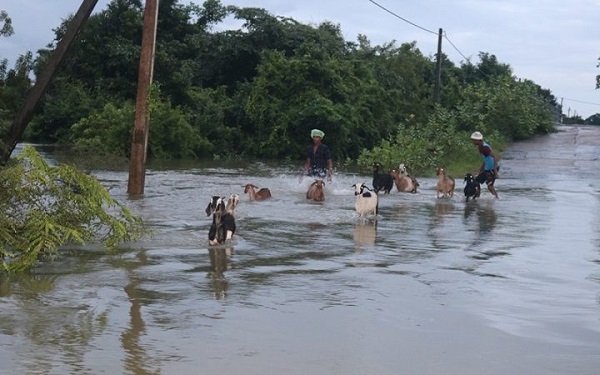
257	90
44	207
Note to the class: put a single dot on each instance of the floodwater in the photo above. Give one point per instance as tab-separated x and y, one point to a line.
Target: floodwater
433	286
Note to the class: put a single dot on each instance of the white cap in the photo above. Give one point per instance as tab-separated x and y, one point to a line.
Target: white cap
477	136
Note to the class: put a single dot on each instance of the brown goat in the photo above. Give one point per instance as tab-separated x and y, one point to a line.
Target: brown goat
315	191
445	184
254	195
404	182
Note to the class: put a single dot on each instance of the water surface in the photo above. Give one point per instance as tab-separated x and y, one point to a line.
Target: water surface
432	286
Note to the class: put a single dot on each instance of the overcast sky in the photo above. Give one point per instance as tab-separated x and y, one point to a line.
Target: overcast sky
554	43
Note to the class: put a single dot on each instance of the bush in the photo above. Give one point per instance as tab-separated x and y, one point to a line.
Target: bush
423	147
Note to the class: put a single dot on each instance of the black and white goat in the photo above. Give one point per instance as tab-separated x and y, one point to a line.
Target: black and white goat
367	201
381	181
223	224
472	188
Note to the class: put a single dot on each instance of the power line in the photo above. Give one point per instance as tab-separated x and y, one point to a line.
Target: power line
453	46
582	102
402	18
420	27
445	35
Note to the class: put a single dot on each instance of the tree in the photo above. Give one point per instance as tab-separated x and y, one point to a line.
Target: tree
6	28
593	119
43	208
598	76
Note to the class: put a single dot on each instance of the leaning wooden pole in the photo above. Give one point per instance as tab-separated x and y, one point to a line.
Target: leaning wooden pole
438	70
139	143
15	132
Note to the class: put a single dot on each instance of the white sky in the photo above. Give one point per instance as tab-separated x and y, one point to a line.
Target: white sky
554	43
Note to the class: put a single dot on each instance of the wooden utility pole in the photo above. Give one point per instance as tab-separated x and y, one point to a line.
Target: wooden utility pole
438	70
15	132
139	143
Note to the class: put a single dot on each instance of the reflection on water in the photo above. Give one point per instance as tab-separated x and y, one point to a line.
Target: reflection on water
136	358
365	233
46	321
442	209
484	213
517	275
220	261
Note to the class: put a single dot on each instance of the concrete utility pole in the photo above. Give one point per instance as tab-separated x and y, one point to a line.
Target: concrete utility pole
438	69
15	132
139	143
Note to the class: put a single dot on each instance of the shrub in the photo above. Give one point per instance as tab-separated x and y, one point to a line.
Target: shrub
44	207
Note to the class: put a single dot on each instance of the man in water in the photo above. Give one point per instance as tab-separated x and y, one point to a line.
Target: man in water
318	157
488	171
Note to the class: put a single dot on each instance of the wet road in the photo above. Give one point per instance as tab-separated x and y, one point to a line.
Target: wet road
508	286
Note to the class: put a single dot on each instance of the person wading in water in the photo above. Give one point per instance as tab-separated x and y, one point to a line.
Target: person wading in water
318	157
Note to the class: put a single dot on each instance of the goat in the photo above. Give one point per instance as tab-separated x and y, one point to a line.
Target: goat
367	201
403	170
472	188
404	182
381	181
445	184
232	203
223	224
212	205
259	195
315	191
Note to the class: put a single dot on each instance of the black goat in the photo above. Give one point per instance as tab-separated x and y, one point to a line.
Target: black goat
223	224
383	181
472	188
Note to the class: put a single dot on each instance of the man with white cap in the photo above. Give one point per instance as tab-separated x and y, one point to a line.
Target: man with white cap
488	171
318	157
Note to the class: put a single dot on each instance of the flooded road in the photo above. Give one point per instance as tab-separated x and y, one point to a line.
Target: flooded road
434	286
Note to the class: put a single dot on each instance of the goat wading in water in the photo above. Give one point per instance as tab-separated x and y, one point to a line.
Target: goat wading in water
367	201
223	224
315	191
254	195
445	184
472	188
381	181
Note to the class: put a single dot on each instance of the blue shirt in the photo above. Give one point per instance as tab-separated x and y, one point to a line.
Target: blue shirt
486	153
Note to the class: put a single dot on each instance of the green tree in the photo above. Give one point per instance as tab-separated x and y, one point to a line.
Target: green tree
6	28
43	208
14	84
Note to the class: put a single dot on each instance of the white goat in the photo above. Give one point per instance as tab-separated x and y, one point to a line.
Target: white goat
445	184
232	203
315	191
254	195
367	201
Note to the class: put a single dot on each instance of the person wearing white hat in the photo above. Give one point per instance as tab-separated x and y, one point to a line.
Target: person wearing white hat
488	171
318	157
